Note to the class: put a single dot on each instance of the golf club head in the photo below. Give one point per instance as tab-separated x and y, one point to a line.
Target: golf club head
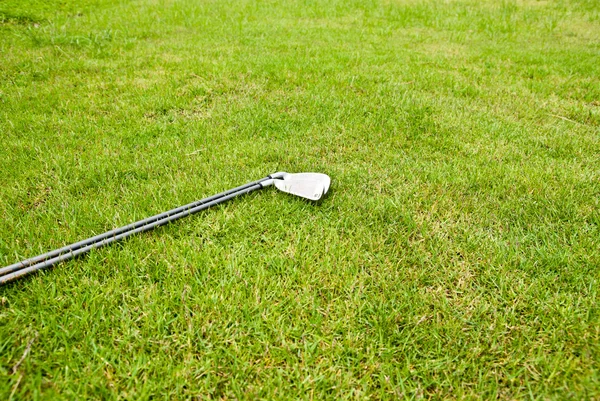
306	185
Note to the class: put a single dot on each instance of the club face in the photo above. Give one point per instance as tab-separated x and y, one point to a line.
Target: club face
306	185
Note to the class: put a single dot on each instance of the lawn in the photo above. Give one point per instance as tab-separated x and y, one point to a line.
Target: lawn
457	254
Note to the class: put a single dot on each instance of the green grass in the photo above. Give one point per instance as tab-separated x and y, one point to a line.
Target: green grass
456	256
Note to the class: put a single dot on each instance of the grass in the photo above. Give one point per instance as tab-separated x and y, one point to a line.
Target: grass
456	255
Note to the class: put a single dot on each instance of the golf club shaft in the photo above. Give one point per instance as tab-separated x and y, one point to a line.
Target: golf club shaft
110	239
118	231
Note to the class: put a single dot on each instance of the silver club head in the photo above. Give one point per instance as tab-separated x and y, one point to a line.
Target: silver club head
306	185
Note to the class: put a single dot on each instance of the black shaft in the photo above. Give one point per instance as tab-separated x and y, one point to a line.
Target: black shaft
109	237
70	248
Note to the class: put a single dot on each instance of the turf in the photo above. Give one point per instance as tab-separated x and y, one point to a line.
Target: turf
456	256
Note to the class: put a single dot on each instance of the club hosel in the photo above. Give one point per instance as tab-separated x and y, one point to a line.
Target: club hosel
279	174
266	183
275	176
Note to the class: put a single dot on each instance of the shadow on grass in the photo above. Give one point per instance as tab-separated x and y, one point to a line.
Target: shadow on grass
19	18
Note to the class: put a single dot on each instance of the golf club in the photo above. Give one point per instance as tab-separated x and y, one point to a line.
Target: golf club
310	186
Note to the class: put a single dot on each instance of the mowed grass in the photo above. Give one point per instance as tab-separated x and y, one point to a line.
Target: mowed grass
456	256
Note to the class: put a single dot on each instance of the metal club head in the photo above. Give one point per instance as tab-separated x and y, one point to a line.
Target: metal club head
306	185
